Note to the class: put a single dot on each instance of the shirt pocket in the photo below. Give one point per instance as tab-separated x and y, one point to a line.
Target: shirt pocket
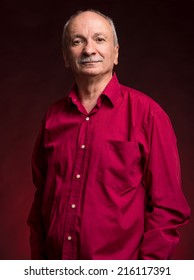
120	165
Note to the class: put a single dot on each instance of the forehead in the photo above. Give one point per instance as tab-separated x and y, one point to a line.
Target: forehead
89	21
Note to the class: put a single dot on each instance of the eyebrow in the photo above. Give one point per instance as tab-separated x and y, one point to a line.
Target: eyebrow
76	36
100	34
81	36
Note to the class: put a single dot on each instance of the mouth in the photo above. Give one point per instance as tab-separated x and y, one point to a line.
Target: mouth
90	62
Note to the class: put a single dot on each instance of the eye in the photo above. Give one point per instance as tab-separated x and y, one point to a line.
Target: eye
100	39
77	41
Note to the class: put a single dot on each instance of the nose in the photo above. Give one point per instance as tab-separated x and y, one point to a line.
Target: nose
89	48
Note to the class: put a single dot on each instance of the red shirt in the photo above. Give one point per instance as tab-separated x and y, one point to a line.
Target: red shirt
108	182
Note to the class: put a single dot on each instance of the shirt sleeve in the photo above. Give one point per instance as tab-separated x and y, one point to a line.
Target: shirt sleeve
35	217
166	208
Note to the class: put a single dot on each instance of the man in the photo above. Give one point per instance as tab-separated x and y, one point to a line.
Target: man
105	164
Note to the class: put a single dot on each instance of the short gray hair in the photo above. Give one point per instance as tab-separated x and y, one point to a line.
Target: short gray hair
65	29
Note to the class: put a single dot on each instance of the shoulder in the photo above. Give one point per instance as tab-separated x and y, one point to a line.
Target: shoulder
142	104
147	116
140	98
145	112
57	108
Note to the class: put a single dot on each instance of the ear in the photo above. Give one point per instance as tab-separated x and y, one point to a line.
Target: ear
116	55
65	59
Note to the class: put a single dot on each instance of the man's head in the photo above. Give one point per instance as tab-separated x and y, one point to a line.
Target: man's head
90	43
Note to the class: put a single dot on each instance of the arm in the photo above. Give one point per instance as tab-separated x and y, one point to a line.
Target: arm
35	216
167	208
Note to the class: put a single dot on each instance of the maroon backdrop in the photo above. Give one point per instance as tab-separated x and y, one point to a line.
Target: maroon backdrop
156	56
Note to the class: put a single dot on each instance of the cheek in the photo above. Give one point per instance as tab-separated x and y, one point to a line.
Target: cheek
112	55
73	59
73	54
113	59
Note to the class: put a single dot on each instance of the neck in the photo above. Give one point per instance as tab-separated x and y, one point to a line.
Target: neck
90	89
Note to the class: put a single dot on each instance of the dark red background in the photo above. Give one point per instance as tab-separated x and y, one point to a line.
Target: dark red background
156	56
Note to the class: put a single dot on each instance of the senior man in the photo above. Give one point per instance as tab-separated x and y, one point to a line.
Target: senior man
105	163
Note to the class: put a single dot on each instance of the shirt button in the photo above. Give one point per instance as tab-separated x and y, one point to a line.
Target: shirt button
83	147
69	237
87	118
73	206
78	176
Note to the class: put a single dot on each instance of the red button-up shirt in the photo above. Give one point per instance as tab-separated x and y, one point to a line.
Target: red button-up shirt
108	181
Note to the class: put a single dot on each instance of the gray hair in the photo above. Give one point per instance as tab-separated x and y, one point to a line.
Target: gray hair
65	29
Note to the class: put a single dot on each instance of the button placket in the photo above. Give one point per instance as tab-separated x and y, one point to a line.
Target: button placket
78	176
83	147
69	237
69	248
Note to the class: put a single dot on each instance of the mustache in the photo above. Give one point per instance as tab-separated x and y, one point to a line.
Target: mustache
86	59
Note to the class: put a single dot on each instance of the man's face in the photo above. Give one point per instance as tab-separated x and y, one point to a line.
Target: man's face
91	49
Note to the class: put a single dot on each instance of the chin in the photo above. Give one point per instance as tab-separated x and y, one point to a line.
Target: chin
90	72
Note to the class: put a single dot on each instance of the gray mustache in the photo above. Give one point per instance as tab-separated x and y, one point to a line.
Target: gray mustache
90	59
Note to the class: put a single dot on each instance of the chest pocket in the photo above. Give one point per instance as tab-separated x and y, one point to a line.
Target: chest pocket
120	165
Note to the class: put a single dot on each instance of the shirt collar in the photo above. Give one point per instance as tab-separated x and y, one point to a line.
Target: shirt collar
112	91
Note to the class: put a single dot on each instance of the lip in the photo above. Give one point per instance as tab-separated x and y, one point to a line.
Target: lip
90	62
